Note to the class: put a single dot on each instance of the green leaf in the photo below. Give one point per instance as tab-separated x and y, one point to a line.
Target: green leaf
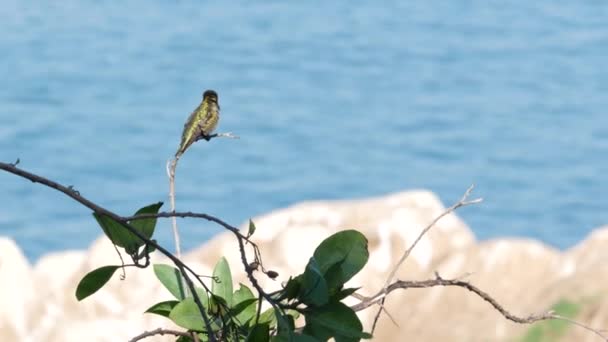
244	311
304	338
222	283
366	335
259	333
313	289
318	331
268	317
217	305
293	313
294	338
341	256
203	337
252	228
334	320
183	339
202	296
94	281
243	304
292	288
346	292
187	315
285	323
162	308
171	278
119	234
146	226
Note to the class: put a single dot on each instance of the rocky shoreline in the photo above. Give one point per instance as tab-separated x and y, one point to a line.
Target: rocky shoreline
525	276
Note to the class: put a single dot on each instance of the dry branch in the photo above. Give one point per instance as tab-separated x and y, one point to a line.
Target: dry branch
461	203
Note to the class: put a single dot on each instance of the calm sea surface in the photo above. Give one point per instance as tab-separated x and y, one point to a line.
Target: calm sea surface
331	100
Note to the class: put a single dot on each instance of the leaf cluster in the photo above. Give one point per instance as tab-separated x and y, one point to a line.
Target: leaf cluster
316	295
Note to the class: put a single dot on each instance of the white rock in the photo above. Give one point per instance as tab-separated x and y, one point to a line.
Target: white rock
16	290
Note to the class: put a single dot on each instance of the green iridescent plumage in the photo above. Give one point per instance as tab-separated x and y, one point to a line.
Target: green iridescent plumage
202	122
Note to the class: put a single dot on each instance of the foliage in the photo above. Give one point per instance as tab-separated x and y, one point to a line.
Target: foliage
236	314
121	237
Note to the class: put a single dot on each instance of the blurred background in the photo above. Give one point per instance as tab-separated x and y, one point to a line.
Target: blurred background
331	101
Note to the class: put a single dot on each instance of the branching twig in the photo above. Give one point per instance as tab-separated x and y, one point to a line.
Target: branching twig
439	281
461	203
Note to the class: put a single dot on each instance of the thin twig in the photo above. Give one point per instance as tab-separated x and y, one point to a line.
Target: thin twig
123	275
171	166
586	327
461	203
166	214
225	225
162	332
229	135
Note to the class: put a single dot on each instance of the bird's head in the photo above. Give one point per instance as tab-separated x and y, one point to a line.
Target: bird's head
210	95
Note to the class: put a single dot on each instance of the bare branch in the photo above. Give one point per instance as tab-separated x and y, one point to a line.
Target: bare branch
461	203
439	281
160	331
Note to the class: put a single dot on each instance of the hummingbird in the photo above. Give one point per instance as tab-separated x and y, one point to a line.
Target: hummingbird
202	122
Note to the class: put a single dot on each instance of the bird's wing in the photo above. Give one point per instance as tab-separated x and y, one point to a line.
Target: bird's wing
191	130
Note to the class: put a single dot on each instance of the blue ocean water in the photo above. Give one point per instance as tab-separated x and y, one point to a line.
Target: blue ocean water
331	100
